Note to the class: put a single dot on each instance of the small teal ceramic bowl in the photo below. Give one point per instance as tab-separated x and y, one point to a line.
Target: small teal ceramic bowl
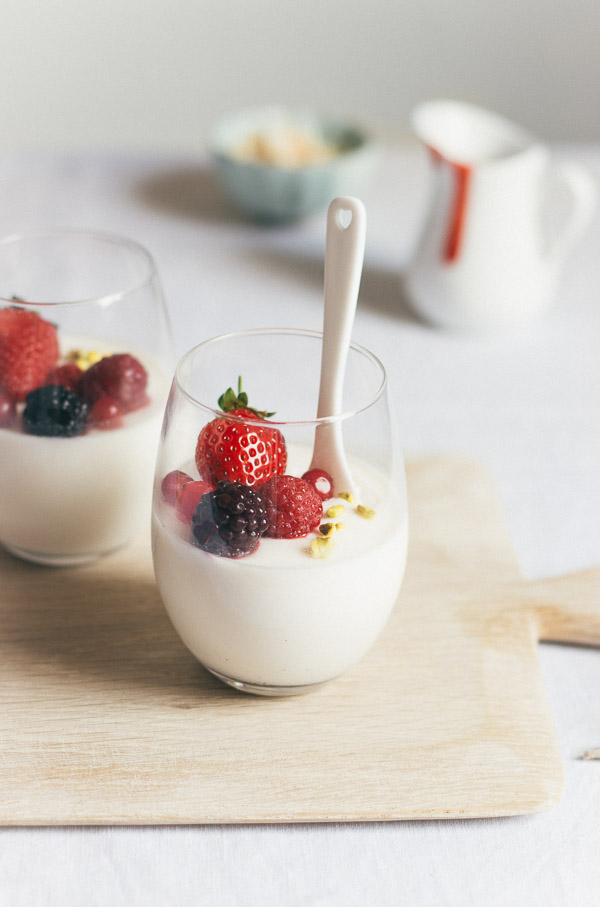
277	164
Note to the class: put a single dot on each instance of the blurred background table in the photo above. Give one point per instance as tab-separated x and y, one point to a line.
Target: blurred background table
527	405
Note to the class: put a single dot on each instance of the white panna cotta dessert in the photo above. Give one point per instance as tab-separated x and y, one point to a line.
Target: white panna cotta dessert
277	565
67	500
283	616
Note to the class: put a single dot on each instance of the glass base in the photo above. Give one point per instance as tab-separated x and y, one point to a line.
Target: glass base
266	689
52	560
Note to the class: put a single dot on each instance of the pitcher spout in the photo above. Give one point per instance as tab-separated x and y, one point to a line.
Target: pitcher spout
463	133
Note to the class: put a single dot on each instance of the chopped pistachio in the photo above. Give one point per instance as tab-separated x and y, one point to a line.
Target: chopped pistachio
365	512
347	496
335	510
84	358
321	547
327	529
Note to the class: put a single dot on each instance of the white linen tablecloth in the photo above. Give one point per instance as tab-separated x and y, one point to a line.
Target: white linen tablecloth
527	405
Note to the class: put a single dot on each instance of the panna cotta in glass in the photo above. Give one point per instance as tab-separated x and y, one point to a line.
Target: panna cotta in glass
275	579
85	353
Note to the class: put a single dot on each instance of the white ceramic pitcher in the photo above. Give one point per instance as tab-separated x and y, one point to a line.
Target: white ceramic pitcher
486	258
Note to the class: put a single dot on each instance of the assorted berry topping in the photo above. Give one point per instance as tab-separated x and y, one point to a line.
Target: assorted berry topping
248	451
244	493
54	411
293	507
103	388
230	520
121	377
28	351
321	481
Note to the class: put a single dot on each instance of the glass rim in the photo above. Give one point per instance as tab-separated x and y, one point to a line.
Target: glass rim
107	238
297	332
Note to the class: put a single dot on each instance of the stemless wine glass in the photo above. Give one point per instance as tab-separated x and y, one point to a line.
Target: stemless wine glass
85	359
265	612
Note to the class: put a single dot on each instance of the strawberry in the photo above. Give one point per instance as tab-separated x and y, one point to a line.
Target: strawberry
8	319
293	507
28	350
248	452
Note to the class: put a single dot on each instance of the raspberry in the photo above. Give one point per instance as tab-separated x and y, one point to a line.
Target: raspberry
293	507
68	375
54	411
120	376
321	481
188	497
105	414
229	521
172	484
8	410
28	350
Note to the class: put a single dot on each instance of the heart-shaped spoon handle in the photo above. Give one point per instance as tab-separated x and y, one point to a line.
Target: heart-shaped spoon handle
344	253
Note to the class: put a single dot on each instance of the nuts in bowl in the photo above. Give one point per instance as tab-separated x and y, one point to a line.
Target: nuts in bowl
276	164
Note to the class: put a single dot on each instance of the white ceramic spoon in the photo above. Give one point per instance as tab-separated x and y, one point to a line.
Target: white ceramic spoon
344	253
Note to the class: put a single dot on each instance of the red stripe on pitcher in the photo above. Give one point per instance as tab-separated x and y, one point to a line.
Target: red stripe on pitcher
461	175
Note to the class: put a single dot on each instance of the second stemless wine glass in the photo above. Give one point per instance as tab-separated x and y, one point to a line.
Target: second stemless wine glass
274	580
85	355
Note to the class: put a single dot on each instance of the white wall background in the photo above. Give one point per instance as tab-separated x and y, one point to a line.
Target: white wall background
153	74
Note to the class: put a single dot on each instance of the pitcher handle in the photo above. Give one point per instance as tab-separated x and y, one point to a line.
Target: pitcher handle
584	193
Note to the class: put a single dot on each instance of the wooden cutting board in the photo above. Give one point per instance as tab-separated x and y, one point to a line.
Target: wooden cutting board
106	718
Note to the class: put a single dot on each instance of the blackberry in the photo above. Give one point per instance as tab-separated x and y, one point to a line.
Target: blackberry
54	411
230	520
